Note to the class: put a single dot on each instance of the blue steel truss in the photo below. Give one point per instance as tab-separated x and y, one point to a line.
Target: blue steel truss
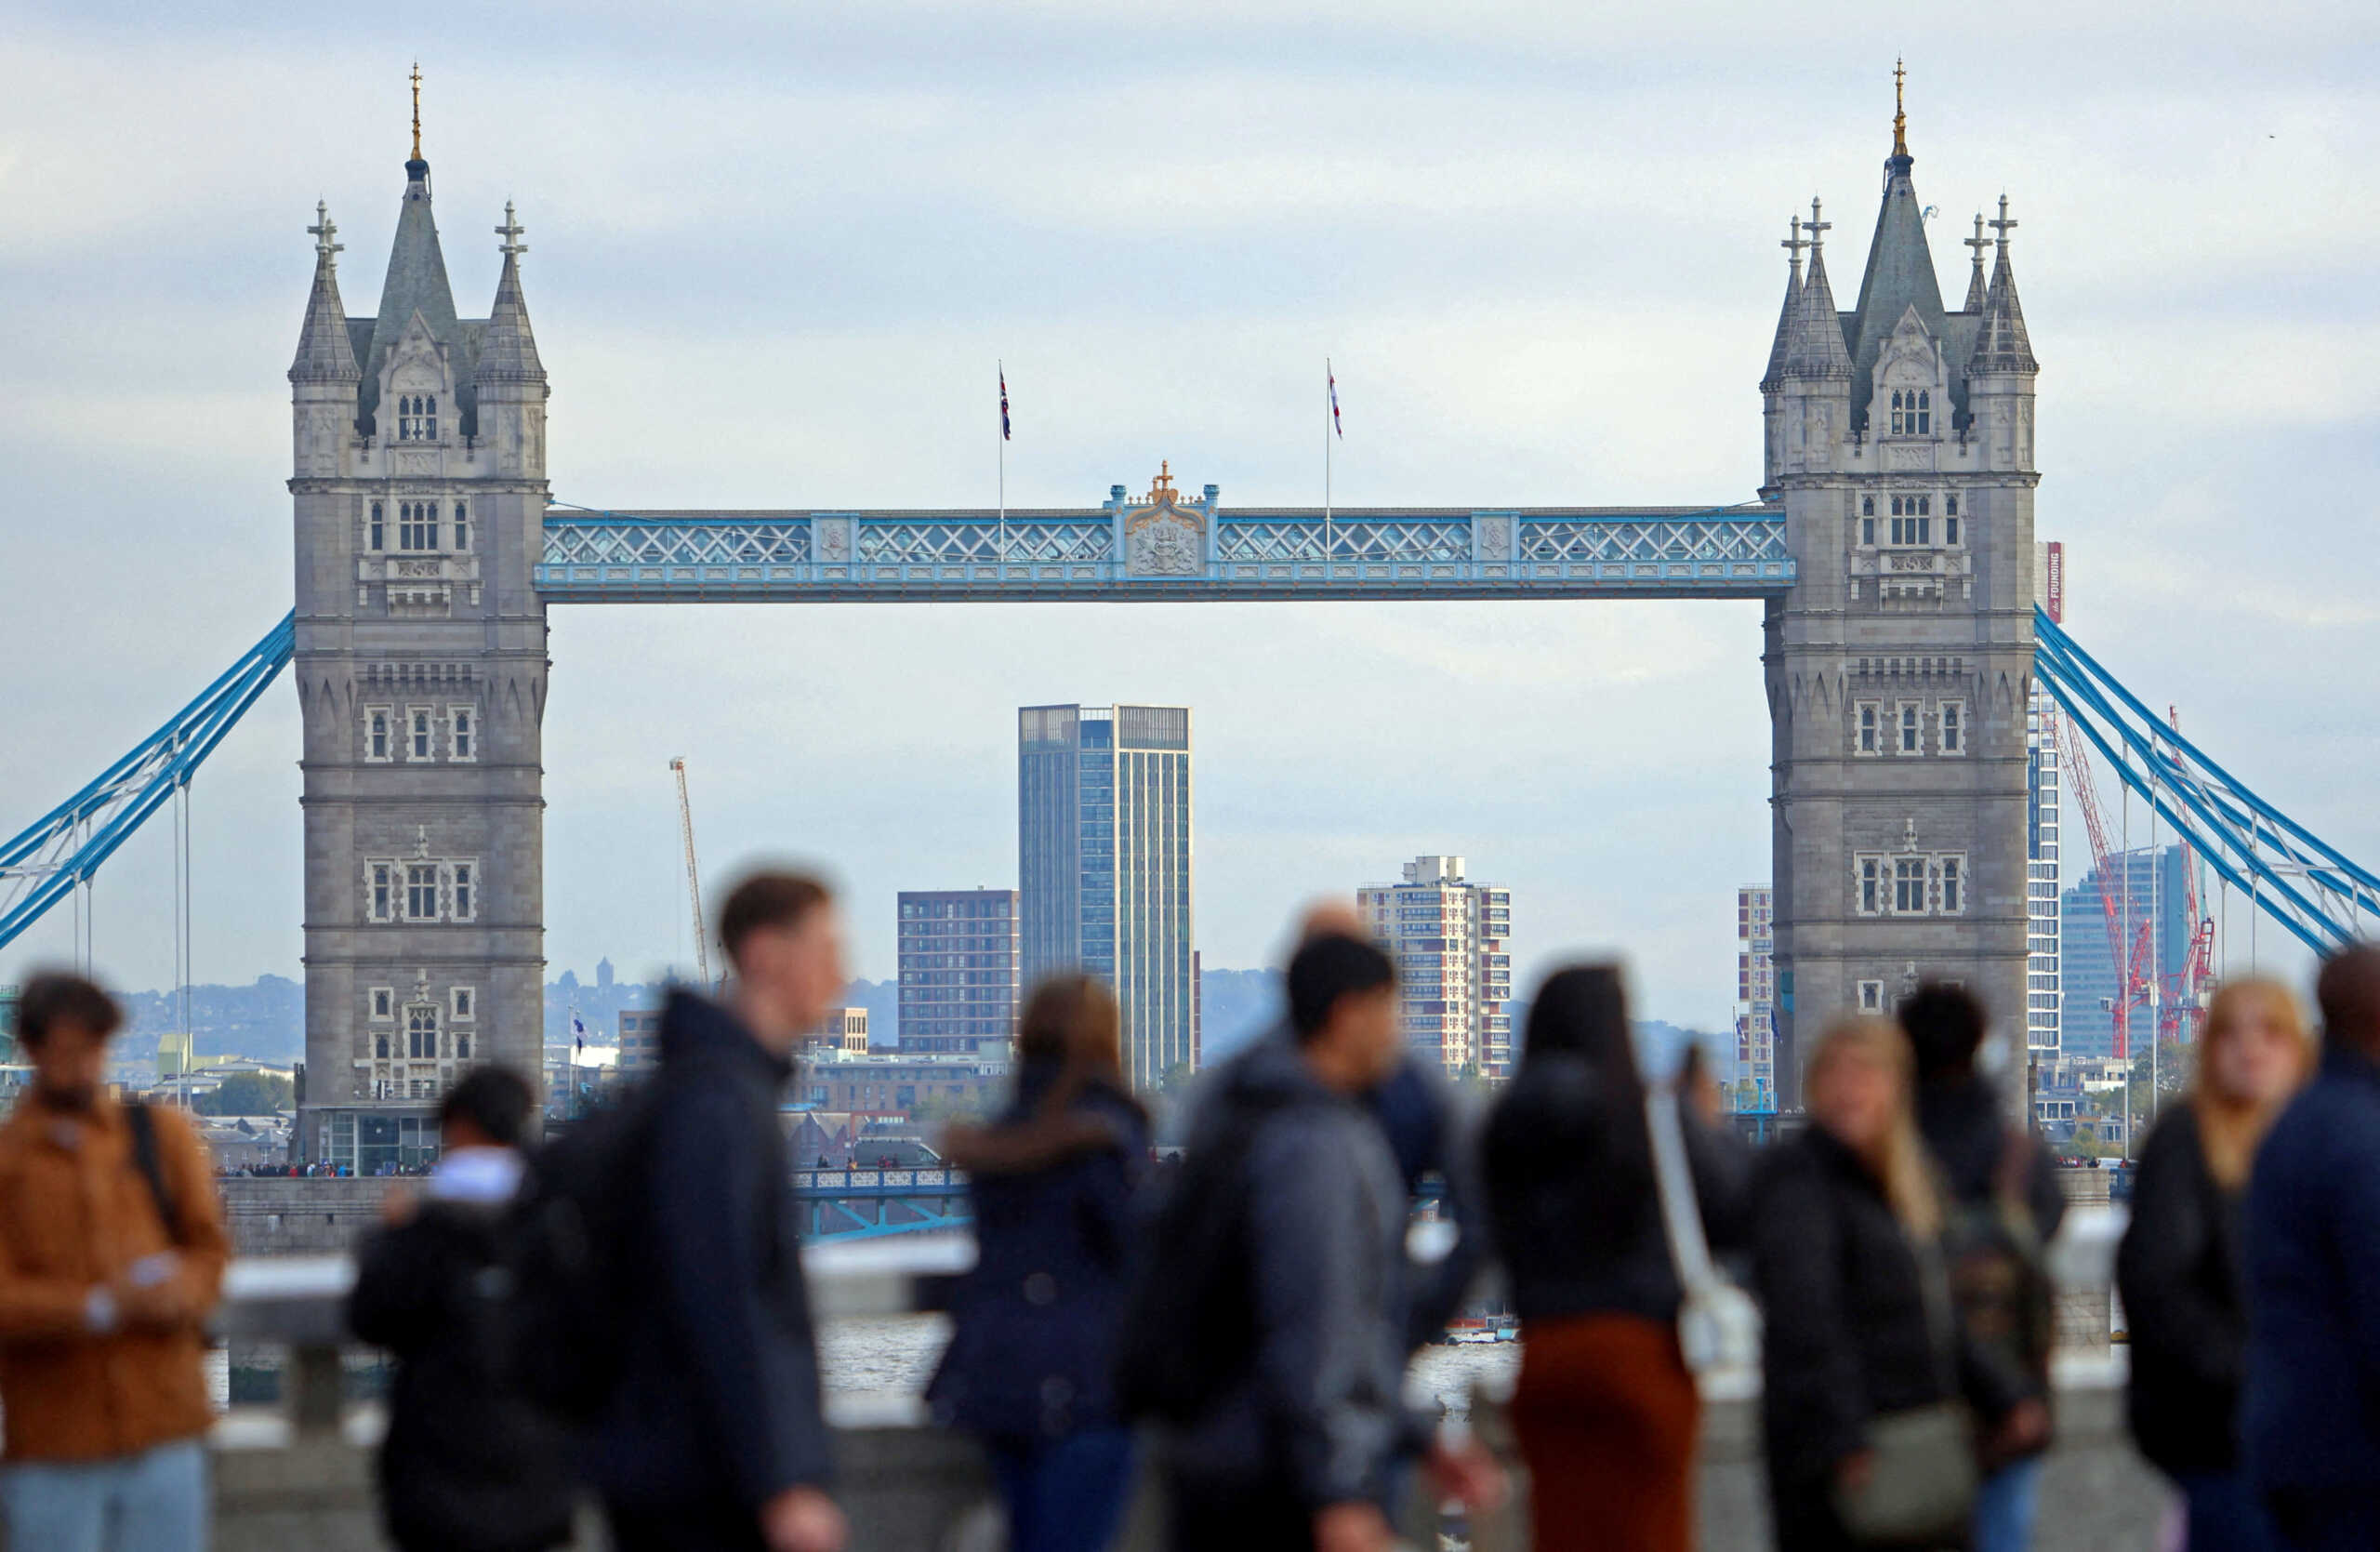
42	865
2304	884
658	557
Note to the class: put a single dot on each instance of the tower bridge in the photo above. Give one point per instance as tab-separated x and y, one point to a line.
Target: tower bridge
1891	544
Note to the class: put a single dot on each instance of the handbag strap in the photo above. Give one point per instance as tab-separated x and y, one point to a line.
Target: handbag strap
1674	1181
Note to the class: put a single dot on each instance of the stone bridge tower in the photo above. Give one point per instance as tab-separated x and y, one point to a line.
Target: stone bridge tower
419	485
1899	436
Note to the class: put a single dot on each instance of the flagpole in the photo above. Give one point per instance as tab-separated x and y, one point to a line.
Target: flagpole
1326	465
1002	430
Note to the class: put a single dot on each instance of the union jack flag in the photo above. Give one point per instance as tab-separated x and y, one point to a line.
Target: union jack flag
1004	436
1334	400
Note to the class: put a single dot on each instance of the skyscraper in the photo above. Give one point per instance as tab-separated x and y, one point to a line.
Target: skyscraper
1755	997
1104	865
2157	885
1454	977
958	964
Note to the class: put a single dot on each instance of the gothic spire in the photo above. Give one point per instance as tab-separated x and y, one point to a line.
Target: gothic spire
508	351
323	352
1817	349
1900	268
1792	244
417	278
2000	344
1976	288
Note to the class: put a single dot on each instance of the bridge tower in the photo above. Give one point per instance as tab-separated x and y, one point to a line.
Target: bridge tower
1900	437
420	486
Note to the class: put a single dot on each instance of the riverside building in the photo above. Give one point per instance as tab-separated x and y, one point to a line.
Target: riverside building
957	966
1755	997
1454	975
1104	862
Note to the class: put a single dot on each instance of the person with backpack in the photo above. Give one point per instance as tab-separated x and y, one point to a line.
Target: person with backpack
469	1464
2178	1268
1605	1410
710	1434
1030	1366
111	1254
2006	1206
1267	1325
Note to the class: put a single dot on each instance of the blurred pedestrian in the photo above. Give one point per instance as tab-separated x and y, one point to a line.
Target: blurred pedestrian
2006	1205
1029	1369
713	1436
1268	1324
467	1465
2311	1417
2179	1270
1605	1410
1862	1356
1431	1134
111	1252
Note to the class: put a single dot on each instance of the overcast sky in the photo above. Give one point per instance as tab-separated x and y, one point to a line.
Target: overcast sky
773	260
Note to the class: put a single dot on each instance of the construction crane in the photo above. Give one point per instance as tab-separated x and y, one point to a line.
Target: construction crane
2181	997
694	875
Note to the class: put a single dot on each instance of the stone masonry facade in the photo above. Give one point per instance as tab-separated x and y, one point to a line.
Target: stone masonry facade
420	486
1900	437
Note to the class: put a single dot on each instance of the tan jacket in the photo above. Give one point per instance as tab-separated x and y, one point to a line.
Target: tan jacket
75	1213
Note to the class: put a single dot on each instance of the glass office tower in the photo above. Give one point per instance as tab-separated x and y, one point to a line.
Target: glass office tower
1103	866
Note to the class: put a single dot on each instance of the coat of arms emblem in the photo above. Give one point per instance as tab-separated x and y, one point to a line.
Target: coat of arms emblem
1164	537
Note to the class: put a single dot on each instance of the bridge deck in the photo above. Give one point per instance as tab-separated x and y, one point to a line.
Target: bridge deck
1186	552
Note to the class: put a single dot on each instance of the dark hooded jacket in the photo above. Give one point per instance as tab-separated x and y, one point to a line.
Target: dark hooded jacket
1032	1349
2311	1417
1848	1334
1313	1412
468	1463
2178	1271
718	1399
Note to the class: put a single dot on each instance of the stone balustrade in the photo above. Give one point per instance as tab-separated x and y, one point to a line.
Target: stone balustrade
300	1476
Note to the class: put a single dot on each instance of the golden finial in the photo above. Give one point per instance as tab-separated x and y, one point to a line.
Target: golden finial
1162	486
417	110
1900	116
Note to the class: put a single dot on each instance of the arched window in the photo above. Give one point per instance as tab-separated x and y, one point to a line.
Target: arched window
379	535
462	527
1896	506
1867	506
1898	427
462	1048
421	1032
1925	506
380	1048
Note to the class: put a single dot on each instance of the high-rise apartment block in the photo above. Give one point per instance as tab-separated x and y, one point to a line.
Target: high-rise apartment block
1105	862
1455	977
2044	783
958	964
1755	997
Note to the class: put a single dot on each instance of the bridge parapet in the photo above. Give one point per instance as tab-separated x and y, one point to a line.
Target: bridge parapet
302	1476
1166	548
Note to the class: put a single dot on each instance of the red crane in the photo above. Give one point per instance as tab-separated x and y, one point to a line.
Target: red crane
2180	995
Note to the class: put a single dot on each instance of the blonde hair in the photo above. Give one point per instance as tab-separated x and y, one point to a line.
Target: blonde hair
2229	1128
1899	1160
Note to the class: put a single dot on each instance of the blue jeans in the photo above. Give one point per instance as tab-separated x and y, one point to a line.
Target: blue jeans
2004	1506
152	1502
1065	1494
2225	1514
